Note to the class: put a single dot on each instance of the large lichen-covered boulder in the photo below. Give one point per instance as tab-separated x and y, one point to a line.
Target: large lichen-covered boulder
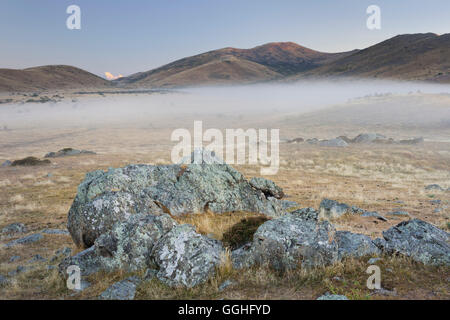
294	240
105	198
186	258
127	246
419	240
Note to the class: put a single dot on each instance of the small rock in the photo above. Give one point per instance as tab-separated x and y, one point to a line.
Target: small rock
435	201
122	290
373	260
385	292
18	270
437	210
328	296
7	163
3	281
67	152
14	228
150	274
398	213
369	138
374	214
434	187
56	231
269	188
331	209
25	240
14	258
338	142
37	258
225	284
286	204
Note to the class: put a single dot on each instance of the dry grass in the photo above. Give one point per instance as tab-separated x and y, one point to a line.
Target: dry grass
371	177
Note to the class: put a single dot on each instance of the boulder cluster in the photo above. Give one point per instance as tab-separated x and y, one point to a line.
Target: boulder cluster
344	141
125	219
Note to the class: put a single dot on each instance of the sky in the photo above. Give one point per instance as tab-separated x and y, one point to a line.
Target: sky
124	37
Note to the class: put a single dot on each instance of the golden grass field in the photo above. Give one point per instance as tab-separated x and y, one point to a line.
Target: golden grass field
382	178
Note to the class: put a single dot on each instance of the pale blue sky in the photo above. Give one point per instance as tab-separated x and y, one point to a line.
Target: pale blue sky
130	36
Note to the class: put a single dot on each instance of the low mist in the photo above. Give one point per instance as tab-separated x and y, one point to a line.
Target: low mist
170	109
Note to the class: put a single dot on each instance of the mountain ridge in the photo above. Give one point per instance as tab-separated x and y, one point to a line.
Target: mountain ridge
419	57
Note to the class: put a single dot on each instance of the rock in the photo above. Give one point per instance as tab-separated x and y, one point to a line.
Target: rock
88	261
293	240
83	285
331	209
126	247
368	138
419	240
7	163
186	258
296	140
3	281
129	244
14	228
30	161
122	290
312	141
373	260
105	198
242	257
398	213
67	152
345	138
337	142
433	202
269	188
437	210
150	274
374	214
287	205
56	231
225	285
14	259
18	270
37	258
355	245
434	187
25	240
385	292
412	141
307	213
356	210
329	296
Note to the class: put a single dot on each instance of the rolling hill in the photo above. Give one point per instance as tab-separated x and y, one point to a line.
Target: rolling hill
406	57
424	57
49	78
230	65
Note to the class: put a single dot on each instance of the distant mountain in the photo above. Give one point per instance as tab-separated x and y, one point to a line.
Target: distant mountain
424	57
49	78
406	57
230	65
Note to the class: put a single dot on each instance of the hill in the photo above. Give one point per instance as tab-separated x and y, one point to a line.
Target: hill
230	65
406	57
49	78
